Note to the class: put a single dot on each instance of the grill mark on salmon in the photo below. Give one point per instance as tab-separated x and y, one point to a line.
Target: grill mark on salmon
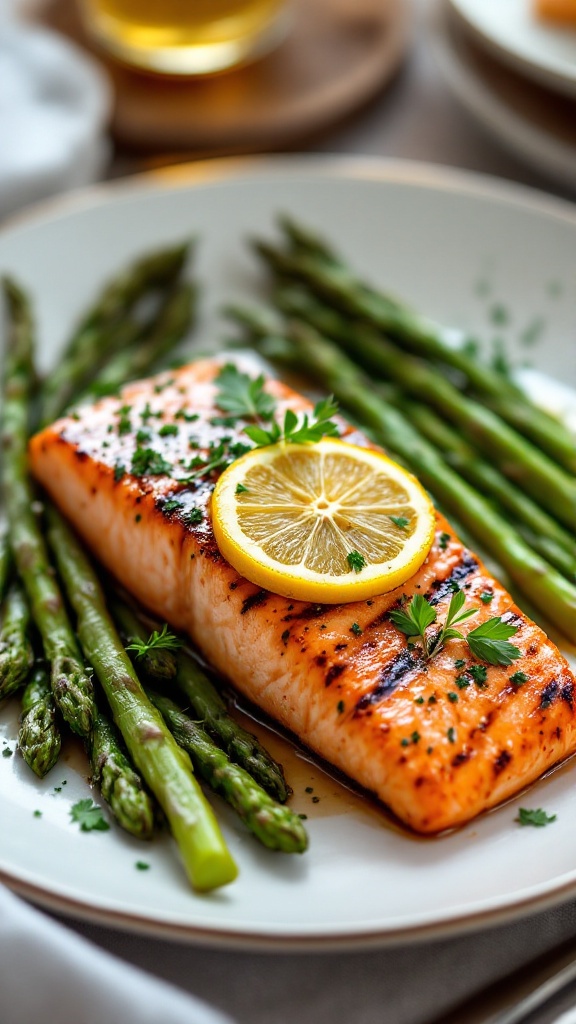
391	676
383	716
443	588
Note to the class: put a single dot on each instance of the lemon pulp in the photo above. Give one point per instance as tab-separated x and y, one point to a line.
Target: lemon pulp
327	522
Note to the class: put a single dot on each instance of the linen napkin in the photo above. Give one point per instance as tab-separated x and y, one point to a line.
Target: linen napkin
50	974
54	106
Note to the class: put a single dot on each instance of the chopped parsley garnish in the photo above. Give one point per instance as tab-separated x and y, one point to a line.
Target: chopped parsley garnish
143	436
486	596
356	629
168	430
192	516
356	561
7	752
451	734
452	697
241	489
171	505
89	816
141	865
414	738
340	707
124	425
462	682
459	663
518	678
479	674
285	636
156	641
137	517
419	700
148	462
188	417
538	817
400	521
443	541
37	814
119	471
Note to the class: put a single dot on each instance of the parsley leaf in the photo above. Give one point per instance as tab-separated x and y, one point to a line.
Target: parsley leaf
242	395
305	431
156	640
416	617
148	462
419	614
89	816
489	642
538	817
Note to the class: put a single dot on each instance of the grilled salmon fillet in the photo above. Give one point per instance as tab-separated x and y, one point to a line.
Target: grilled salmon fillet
437	742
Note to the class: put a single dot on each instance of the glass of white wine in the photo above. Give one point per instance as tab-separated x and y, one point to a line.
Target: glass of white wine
186	37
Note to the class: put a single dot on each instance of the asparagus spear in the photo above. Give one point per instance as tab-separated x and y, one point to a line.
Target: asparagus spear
548	591
5	558
16	655
165	768
119	784
162	334
160	665
243	748
550	485
107	326
275	826
39	736
71	685
338	285
156	663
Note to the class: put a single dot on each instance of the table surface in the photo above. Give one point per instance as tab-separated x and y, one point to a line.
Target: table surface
416	118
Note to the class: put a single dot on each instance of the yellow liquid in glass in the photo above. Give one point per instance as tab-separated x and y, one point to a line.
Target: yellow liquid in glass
186	36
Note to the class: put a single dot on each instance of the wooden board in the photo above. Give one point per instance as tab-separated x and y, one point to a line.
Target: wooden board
337	55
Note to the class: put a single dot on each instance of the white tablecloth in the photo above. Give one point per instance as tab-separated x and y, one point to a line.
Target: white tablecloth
416	118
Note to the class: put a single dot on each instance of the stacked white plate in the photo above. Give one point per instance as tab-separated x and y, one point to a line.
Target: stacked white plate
516	74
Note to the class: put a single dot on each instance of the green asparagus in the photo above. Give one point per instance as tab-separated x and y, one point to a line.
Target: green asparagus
163	333
108	326
336	283
243	748
71	685
165	768
275	826
157	663
16	655
39	736
5	558
548	591
551	486
119	784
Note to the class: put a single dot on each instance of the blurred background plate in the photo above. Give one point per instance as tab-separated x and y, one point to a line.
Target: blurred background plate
337	56
510	29
528	119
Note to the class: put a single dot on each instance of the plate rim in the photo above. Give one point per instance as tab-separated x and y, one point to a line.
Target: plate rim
544	72
353	168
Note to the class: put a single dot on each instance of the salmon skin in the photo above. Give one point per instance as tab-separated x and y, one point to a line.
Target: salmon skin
438	742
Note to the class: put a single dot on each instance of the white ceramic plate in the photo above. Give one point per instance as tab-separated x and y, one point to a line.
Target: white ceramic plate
509	28
528	120
463	249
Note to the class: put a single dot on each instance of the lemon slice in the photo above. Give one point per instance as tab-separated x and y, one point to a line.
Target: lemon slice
326	522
